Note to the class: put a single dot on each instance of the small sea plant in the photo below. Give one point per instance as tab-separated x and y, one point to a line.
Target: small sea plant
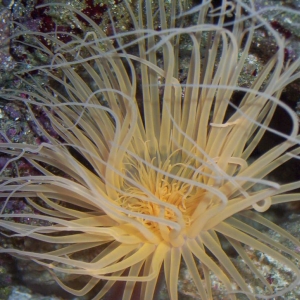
151	168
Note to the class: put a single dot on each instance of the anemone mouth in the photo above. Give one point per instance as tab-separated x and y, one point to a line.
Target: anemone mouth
166	178
165	193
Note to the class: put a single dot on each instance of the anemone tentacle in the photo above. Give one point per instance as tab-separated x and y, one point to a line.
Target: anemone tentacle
162	166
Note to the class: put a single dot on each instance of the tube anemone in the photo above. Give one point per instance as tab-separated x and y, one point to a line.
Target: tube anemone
156	185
